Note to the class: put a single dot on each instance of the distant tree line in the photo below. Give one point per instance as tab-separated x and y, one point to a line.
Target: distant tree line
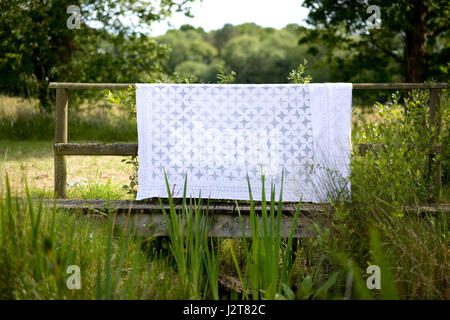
36	47
256	54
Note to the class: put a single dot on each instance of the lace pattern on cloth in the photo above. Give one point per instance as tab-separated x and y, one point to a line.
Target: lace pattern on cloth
218	134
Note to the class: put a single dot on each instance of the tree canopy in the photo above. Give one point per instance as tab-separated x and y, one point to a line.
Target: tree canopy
413	40
37	47
257	54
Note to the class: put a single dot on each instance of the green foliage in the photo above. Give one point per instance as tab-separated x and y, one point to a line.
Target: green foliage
188	44
212	262
445	138
41	48
221	37
41	126
307	291
38	242
409	249
190	68
263	58
380	259
375	228
224	78
125	99
264	275
412	40
187	231
244	53
400	169
95	190
132	187
257	54
299	75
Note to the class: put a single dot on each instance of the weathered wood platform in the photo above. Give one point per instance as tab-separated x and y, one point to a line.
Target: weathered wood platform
153	206
147	219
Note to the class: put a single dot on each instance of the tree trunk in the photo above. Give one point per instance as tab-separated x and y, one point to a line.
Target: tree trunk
415	45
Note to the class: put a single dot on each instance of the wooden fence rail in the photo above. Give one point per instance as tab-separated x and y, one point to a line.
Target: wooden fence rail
62	148
356	86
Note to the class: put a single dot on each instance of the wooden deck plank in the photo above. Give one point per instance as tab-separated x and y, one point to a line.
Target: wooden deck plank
220	225
217	206
149	206
147	219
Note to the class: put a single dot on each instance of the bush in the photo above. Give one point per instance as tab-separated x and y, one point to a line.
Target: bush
375	227
398	172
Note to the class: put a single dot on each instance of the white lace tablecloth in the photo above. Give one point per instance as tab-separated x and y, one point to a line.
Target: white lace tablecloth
219	134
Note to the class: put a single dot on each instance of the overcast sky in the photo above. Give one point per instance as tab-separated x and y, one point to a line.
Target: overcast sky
213	14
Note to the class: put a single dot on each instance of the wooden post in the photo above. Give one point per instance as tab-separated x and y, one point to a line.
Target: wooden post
435	155
62	103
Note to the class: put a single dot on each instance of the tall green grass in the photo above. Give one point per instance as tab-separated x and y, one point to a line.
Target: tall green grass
197	262
268	258
39	242
27	123
410	248
95	189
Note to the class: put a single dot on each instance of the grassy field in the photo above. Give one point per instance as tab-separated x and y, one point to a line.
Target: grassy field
32	161
21	120
26	148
